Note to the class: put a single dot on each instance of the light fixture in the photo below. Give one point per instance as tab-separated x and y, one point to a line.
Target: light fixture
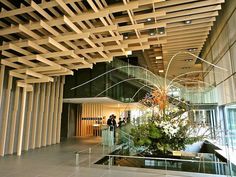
185	68
161	71
161	30
126	35
152	32
158	57
129	52
192	49
188	22
188	60
149	19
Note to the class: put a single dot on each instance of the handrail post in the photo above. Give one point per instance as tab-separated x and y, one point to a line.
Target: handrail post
90	151
109	162
76	158
165	168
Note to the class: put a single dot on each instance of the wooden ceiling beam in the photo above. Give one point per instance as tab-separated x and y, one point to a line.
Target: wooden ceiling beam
38	75
43	41
190	27
193	22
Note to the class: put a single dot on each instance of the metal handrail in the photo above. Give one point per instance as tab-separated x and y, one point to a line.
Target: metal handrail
166	159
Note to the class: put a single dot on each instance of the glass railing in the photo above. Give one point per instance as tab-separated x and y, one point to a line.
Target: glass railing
193	164
201	95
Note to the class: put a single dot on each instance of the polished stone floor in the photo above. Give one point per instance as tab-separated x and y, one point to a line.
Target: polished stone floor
59	161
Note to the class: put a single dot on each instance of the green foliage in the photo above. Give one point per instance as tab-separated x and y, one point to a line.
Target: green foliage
164	135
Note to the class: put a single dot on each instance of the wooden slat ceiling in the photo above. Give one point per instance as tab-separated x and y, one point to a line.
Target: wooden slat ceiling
42	39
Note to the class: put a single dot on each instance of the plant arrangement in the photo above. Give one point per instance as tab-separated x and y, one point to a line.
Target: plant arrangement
169	129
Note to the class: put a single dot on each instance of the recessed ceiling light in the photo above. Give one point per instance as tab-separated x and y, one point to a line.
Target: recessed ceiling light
152	34
161	71
149	19
161	30
185	68
188	60
188	22
126	37
129	52
158	57
192	49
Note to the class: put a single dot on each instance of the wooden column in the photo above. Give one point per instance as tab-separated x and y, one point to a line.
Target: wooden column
2	72
45	115
40	116
5	116
28	121
34	116
50	118
21	122
55	115
13	121
60	109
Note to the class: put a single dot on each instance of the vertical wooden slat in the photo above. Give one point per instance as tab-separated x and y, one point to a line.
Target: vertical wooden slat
50	118
54	129
68	120
5	116
60	110
34	116
46	113
40	116
82	121
13	121
21	122
28	121
2	72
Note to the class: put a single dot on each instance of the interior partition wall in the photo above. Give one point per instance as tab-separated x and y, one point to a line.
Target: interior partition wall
30	117
220	49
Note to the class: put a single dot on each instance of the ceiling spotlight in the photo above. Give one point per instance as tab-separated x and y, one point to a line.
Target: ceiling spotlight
129	52
158	57
149	19
185	68
161	30
189	60
126	35
192	49
188	22
161	71
152	32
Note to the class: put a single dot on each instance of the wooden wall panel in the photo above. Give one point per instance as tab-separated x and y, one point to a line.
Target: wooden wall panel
55	116
50	118
2	72
58	135
5	116
40	116
28	121
35	116
46	114
21	122
37	121
13	121
91	112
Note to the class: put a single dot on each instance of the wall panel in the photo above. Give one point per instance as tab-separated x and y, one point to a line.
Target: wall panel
28	113
222	45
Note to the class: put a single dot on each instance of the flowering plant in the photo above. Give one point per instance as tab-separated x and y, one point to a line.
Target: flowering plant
168	130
